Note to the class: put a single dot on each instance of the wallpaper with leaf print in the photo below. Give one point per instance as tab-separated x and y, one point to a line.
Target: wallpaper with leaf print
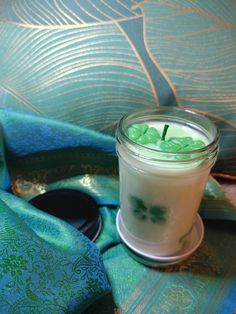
89	62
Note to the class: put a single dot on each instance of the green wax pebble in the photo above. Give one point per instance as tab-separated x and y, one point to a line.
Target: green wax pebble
175	140
170	147
143	139
153	131
197	144
142	127
153	135
176	147
151	138
193	146
165	146
133	133
185	141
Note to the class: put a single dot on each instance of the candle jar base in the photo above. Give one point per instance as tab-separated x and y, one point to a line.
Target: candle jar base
148	254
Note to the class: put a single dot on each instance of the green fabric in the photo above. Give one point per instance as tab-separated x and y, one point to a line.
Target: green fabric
48	266
216	204
204	283
89	62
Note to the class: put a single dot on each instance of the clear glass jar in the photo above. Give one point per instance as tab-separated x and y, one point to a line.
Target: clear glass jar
160	192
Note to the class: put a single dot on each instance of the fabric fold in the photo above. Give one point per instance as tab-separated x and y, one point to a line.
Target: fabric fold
47	265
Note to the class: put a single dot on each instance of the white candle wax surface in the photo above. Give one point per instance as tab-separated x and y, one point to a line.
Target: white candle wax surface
153	155
179	130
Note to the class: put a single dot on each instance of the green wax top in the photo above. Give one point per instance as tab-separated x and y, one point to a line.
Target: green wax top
167	137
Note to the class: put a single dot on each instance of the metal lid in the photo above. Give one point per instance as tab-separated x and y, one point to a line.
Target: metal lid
73	206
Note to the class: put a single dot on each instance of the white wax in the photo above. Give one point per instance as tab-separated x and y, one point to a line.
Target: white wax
176	188
179	130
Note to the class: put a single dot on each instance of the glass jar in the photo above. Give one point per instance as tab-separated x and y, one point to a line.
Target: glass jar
160	191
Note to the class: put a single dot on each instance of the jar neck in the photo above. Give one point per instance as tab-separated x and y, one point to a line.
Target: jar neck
181	117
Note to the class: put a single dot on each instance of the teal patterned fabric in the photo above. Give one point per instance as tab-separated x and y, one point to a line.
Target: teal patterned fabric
204	283
89	62
47	266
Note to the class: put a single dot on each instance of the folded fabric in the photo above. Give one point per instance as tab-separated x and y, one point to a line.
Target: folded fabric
204	283
45	264
48	265
188	287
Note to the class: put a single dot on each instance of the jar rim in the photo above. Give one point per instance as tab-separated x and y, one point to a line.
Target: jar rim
140	115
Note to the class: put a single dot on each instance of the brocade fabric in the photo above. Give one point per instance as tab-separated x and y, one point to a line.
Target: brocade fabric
48	266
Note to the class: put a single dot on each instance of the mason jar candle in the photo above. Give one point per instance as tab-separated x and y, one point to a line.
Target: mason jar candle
165	157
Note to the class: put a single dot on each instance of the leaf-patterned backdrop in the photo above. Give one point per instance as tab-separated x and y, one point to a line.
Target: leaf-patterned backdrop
89	62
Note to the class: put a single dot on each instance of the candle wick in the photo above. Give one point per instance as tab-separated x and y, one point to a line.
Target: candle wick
163	136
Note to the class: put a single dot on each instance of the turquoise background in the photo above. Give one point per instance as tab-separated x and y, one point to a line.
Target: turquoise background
89	62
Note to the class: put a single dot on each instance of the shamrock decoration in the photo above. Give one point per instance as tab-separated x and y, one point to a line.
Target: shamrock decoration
142	134
138	208
157	214
146	135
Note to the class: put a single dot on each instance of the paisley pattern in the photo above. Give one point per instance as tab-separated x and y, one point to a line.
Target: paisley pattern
188	287
45	265
89	62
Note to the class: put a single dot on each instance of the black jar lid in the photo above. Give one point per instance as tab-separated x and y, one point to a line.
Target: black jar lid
73	206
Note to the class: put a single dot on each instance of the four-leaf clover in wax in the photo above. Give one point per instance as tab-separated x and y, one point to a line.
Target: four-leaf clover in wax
143	134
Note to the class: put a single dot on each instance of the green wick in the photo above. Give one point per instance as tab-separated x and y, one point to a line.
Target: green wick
163	136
